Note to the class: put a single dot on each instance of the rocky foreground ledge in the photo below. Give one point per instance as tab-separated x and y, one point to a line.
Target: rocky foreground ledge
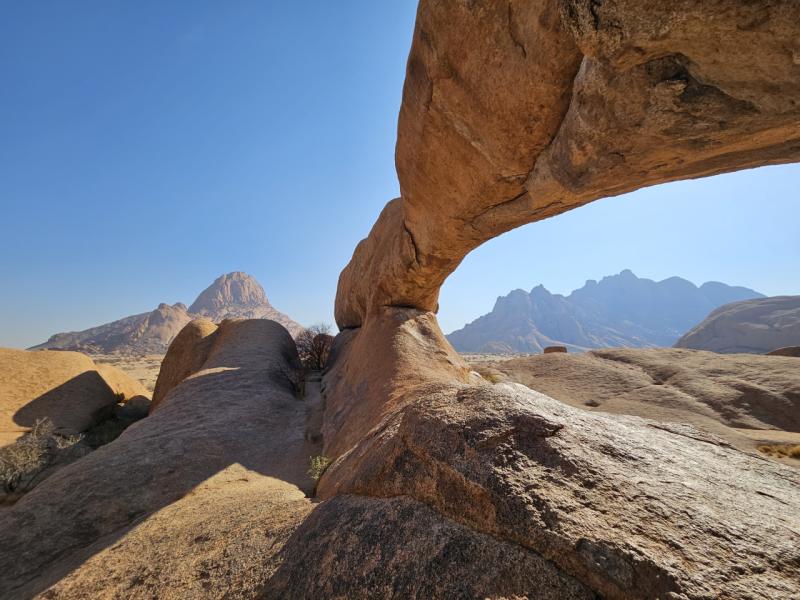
456	489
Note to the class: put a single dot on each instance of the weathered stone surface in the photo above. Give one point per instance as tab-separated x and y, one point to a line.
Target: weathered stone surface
189	502
355	547
512	111
517	111
187	354
788	351
758	326
631	508
402	350
66	387
745	399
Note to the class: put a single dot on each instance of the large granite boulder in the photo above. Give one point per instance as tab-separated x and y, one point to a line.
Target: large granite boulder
628	507
67	388
756	326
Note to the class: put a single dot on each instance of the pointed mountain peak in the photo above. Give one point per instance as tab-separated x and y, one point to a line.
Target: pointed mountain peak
233	289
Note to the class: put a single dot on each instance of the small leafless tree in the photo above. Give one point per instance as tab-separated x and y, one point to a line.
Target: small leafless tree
314	346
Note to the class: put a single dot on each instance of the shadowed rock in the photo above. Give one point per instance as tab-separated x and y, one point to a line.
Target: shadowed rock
67	388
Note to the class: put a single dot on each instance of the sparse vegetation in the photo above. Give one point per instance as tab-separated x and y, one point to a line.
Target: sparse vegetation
314	346
489	374
781	450
34	452
317	465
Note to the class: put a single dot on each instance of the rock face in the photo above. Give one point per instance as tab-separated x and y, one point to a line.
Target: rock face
147	333
455	489
191	502
742	398
620	310
65	387
627	507
788	351
517	111
755	326
514	112
231	296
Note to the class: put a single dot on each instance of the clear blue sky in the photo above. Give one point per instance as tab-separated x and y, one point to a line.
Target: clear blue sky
147	147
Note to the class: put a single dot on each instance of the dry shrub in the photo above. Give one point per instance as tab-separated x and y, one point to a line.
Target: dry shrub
31	454
314	346
781	450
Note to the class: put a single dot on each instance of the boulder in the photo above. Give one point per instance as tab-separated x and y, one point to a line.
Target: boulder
66	387
186	355
626	507
755	326
788	351
555	350
192	502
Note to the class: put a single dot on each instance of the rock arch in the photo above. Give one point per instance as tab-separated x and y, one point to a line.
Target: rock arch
514	111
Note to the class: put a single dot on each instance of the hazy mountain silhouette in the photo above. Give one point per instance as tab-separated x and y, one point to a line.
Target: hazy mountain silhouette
619	310
234	295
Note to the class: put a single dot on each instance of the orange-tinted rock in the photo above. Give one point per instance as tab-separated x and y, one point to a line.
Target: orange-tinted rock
186	355
66	387
517	111
555	350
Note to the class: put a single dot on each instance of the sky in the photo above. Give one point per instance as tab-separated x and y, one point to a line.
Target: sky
146	148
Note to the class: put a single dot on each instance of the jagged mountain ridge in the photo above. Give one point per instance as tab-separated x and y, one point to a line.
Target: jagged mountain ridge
619	310
233	295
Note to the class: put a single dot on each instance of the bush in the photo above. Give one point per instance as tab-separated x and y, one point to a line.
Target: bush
781	450
31	454
314	346
317	466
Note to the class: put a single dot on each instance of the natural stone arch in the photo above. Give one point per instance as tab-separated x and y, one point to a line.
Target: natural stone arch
515	111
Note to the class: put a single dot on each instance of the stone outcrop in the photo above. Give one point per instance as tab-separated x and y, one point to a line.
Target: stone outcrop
755	326
619	310
628	507
66	387
788	351
514	112
192	501
187	354
236	295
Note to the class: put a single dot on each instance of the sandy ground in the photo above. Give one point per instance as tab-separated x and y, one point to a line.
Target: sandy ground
142	368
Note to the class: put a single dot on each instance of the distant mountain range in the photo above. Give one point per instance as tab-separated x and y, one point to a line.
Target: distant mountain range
619	310
235	295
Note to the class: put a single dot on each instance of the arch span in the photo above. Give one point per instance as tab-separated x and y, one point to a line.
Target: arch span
514	111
